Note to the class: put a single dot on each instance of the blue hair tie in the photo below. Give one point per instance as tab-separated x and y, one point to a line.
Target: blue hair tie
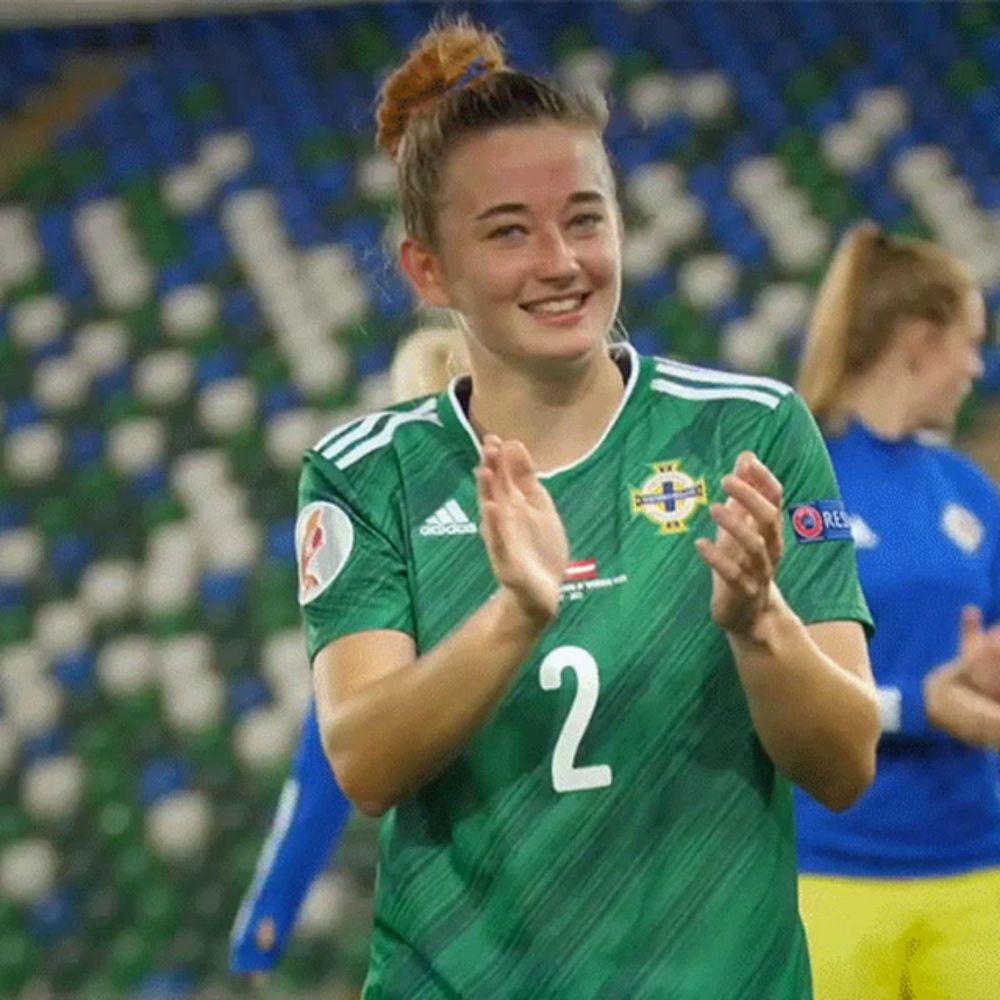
476	69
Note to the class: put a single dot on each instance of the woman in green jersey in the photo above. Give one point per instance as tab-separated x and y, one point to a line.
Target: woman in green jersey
578	622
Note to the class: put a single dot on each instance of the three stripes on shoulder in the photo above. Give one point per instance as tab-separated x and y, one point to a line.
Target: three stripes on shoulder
351	441
692	382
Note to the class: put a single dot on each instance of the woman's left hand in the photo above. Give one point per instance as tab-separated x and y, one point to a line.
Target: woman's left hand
748	546
979	653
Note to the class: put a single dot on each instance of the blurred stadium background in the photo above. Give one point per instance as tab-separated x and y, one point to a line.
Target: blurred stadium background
194	285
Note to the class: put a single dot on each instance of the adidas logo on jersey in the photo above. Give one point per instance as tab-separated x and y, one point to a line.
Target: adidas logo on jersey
448	520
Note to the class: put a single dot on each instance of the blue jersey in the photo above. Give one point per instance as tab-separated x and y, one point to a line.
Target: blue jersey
307	826
926	523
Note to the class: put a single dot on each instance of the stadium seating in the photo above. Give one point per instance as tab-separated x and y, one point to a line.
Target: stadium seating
195	283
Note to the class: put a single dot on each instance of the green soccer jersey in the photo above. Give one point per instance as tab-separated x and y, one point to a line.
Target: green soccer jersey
616	830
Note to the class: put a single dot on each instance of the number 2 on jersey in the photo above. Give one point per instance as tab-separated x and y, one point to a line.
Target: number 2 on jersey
566	775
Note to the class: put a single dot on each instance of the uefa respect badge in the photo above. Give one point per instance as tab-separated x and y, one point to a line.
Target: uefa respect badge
820	521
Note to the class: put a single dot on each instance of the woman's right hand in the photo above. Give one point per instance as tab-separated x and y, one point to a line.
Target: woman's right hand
521	528
963	697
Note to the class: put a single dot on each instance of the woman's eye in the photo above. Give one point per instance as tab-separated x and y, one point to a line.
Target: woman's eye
513	229
586	220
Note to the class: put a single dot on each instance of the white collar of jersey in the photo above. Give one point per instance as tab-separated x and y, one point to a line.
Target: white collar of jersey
633	376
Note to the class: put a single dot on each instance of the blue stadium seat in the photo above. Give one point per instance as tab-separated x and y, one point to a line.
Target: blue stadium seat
163	776
76	671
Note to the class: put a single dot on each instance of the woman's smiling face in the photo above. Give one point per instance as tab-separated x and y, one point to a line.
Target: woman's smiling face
529	242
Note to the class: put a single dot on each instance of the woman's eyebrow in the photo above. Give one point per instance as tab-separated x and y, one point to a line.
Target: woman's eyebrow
511	207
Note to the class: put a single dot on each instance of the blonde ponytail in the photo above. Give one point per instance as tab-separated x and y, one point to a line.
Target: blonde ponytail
426	361
874	281
825	362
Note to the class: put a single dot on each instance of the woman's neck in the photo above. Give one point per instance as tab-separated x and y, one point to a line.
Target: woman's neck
883	405
559	417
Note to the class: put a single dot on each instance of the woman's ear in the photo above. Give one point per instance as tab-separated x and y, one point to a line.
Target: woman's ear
424	270
920	342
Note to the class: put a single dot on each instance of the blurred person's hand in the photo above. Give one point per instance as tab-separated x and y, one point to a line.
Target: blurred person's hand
980	654
962	697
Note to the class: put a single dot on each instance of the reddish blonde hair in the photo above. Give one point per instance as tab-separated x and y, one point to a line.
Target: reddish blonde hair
455	81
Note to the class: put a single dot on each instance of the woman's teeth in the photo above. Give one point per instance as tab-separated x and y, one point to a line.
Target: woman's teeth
556	306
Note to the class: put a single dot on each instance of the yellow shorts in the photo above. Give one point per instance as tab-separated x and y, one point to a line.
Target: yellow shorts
903	939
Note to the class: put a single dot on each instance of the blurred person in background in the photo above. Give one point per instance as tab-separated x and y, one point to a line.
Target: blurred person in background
312	810
901	893
577	712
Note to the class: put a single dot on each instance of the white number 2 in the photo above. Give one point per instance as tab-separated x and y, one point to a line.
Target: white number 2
566	776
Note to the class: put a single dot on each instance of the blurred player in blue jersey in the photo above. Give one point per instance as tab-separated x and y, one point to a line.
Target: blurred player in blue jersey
310	818
312	810
901	893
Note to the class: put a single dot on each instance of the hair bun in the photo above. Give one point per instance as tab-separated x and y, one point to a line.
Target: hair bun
452	53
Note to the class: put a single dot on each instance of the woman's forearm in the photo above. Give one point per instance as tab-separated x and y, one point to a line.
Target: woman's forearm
818	721
393	734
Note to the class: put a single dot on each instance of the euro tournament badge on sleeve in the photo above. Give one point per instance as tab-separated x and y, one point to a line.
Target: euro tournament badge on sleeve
820	521
324	537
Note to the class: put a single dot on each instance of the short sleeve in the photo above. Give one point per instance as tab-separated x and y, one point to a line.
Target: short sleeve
818	575
353	574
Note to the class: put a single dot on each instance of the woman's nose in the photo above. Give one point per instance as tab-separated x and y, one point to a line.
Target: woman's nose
557	259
